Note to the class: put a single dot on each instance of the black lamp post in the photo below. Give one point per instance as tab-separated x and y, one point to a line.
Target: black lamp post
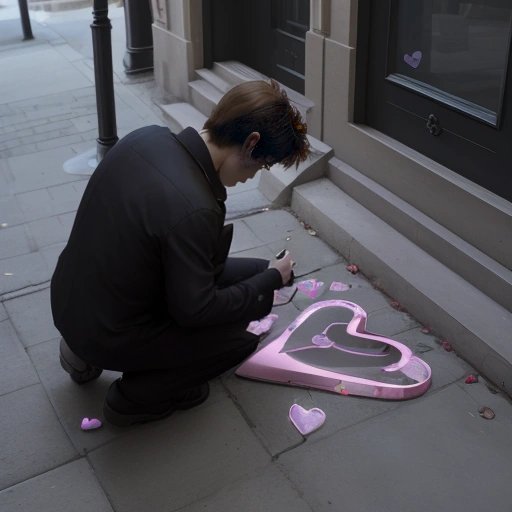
104	78
87	162
25	20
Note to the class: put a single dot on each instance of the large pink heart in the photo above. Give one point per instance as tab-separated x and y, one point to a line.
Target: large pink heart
306	421
328	347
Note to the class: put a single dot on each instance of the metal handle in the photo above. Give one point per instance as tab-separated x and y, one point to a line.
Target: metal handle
433	125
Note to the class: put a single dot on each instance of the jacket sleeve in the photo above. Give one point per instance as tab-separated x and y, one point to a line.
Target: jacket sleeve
193	299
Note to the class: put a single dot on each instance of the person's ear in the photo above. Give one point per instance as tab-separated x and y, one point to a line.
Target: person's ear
250	143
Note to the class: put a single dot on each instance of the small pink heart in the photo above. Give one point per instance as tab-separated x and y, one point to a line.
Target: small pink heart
306	421
90	424
337	286
414	59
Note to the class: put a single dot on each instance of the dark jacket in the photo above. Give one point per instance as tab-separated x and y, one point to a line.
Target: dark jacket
144	251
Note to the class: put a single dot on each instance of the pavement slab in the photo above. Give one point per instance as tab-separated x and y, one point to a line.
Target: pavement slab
72	486
51	255
10	212
435	454
17	370
54	74
243	237
32	318
3	313
22	271
73	402
15	241
33	440
51	230
310	252
173	463
390	322
269	491
360	291
274	225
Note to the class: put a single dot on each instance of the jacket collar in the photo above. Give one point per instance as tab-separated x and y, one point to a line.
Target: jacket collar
194	144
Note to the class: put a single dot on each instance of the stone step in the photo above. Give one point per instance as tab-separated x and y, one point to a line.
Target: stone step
234	72
477	327
204	96
277	185
181	115
479	269
214	79
438	192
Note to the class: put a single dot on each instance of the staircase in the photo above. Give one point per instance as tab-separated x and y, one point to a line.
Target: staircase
451	271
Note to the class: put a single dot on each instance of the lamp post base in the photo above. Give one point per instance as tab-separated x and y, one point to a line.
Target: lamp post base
82	164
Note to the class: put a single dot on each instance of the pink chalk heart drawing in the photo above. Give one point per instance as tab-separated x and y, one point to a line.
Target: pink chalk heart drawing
328	347
414	59
310	287
262	326
90	424
306	421
337	286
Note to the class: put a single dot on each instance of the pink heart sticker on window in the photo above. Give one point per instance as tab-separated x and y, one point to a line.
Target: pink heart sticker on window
414	59
306	421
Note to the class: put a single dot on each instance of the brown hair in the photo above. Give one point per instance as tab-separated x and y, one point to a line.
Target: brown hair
263	107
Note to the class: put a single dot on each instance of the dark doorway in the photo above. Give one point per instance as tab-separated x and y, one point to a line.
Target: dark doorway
439	80
267	35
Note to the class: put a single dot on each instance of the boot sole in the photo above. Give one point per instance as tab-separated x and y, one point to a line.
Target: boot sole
126	420
84	373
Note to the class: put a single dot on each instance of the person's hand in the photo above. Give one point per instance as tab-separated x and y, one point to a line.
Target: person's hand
284	265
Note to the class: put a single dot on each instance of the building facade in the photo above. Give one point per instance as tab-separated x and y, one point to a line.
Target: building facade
413	101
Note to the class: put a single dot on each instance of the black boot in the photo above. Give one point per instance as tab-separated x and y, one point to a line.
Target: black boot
123	412
79	371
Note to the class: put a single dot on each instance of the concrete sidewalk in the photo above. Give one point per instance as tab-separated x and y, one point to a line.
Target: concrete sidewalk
237	451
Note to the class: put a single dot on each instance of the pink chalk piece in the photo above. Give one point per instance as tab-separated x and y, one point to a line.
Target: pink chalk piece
90	424
414	59
352	268
306	421
328	347
262	326
310	287
337	286
447	345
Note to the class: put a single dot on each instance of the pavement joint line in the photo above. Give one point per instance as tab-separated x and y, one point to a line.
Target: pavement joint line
23	387
27	290
55	411
43	472
242	214
276	456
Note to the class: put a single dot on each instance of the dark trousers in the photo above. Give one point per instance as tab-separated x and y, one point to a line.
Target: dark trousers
182	358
